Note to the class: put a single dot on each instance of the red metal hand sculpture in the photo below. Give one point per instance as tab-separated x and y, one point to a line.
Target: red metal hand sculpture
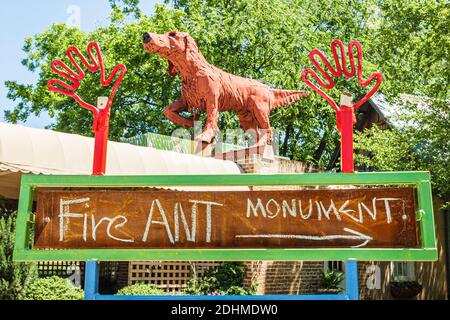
345	116
73	81
74	78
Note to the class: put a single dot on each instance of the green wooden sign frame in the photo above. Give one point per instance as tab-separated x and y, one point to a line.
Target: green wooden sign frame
421	180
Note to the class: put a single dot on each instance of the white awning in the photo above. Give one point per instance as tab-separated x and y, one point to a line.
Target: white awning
39	151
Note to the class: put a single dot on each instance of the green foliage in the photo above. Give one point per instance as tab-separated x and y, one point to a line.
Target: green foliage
385	150
414	45
15	278
331	279
127	7
226	279
422	144
412	39
53	288
406	284
240	291
140	289
267	40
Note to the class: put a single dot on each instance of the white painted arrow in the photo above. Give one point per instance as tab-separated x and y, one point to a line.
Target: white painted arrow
355	236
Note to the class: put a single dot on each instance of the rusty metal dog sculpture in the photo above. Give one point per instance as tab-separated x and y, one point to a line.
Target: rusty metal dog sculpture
207	88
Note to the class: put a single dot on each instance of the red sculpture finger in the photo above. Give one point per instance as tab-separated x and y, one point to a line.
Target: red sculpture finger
341	65
375	76
106	82
329	84
91	67
311	72
71	77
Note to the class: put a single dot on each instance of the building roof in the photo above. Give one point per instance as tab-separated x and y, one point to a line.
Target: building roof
39	151
379	103
392	112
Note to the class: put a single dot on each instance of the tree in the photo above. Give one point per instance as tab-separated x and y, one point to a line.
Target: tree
143	93
264	39
422	144
413	40
126	7
268	40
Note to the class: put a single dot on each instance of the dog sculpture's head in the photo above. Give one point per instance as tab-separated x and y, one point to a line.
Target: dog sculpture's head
173	46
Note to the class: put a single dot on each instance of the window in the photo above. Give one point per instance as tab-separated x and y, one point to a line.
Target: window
334	265
403	271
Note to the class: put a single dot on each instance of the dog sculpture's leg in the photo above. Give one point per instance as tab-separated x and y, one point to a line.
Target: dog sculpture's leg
211	126
210	91
249	124
261	111
172	113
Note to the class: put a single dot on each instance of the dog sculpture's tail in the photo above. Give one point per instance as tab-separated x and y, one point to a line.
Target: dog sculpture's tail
286	97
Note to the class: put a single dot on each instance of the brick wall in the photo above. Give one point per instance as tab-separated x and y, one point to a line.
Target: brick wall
257	164
284	277
122	274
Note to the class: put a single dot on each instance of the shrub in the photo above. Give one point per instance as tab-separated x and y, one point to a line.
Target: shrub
226	279
240	291
53	288
107	284
331	279
141	289
14	277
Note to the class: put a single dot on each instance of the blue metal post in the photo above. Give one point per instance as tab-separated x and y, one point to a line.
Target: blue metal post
351	279
91	276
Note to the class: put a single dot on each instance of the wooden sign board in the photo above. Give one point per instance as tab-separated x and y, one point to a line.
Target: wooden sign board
162	219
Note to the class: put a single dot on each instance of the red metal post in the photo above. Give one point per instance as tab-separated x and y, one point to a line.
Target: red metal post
345	125
101	144
347	163
101	138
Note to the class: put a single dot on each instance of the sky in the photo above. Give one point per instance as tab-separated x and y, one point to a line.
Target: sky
20	19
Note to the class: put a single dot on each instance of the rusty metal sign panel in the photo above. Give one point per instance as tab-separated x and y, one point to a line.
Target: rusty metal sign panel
162	219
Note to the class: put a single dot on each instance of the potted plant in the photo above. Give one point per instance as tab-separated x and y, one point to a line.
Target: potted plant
330	282
405	289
